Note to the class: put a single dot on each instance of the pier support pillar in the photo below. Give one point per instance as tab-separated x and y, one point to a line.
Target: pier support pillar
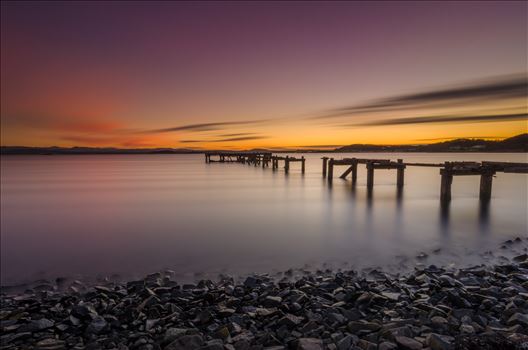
445	187
485	186
400	174
445	183
354	173
287	164
330	169
303	168
325	160
370	176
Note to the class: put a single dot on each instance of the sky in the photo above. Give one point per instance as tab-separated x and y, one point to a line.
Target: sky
240	75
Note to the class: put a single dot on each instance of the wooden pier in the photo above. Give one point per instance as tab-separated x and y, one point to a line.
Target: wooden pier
256	159
486	170
287	160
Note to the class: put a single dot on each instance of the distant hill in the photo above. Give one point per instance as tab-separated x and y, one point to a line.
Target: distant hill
517	143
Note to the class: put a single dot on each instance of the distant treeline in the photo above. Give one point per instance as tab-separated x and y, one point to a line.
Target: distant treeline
517	143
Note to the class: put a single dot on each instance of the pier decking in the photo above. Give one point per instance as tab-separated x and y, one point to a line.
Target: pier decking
486	169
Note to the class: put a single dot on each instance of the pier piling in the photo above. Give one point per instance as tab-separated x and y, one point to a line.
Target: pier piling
370	176
400	173
325	160
330	169
485	186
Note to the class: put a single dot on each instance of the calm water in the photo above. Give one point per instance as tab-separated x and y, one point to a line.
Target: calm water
132	214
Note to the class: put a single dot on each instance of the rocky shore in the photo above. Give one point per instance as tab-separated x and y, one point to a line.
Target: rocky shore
437	308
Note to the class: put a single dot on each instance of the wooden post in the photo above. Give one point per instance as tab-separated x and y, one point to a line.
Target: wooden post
445	184
325	159
302	164
370	176
400	173
348	171
330	169
287	164
354	172
486	180
206	158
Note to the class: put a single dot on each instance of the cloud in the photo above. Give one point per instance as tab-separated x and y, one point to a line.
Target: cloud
228	139
511	86
206	126
442	119
316	146
238	134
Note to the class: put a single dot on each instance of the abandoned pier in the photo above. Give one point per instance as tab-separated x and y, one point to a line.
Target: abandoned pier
448	170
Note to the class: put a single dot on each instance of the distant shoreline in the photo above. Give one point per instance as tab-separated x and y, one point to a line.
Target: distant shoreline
516	144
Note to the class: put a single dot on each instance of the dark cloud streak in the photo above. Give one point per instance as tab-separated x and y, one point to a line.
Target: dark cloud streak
505	87
228	139
442	119
206	126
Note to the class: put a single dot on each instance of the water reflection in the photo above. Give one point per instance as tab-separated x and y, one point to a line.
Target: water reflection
141	213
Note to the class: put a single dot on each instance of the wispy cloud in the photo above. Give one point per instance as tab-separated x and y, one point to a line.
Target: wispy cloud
228	139
513	86
237	134
316	146
207	126
441	119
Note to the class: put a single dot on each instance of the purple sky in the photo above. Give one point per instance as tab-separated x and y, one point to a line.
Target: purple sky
116	68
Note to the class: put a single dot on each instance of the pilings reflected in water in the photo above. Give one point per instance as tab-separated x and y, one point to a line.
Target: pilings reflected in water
448	170
486	171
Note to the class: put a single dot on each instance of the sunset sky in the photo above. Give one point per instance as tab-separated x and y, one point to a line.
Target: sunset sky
239	75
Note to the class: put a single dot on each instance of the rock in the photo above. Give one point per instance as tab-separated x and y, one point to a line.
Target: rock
251	282
97	325
290	320
50	344
520	258
387	346
391	296
186	342
467	329
309	344
83	311
173	333
271	301
39	325
150	323
406	343
518	318
346	342
357	326
439	342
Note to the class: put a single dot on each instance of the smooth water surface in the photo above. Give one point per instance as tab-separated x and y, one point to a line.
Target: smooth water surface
92	215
